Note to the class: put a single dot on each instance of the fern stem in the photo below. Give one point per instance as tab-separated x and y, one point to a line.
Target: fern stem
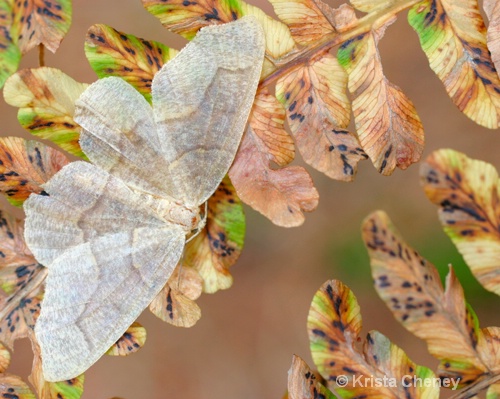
476	387
33	284
369	22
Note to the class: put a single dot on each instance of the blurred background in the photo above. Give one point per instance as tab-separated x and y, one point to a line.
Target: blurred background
243	345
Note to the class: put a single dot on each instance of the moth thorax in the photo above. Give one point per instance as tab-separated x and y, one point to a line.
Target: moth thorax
185	216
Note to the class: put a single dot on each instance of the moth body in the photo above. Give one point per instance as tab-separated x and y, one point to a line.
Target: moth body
185	216
172	211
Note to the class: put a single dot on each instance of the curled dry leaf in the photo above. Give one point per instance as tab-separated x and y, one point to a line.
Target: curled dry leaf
175	308
12	387
392	361
304	384
41	22
25	165
453	36
387	123
136	60
130	342
187	281
305	18
283	194
318	113
268	119
343	18
13	253
4	358
490	345
411	288
186	18
218	246
334	324
21	279
279	41
468	193
46	98
176	304
10	55
334	316
18	316
70	389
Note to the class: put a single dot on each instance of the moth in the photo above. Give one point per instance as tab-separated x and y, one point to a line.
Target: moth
112	231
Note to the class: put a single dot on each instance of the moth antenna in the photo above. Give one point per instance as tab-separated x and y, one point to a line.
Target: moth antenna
180	270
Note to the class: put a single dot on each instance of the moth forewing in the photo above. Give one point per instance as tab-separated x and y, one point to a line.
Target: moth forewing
109	251
208	106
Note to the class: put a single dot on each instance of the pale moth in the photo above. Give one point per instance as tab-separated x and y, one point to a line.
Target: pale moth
112	231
